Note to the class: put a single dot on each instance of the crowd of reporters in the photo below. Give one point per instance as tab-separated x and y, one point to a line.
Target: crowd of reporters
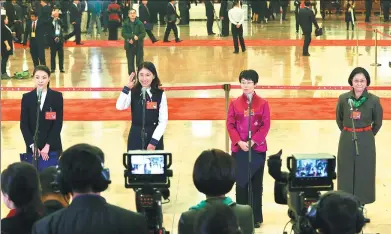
67	199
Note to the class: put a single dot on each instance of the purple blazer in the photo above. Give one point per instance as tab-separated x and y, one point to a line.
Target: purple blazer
237	122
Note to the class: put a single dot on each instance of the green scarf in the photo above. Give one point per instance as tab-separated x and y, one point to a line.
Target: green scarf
359	102
227	201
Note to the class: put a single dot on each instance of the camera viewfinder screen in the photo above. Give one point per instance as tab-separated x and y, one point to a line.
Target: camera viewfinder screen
310	168
147	164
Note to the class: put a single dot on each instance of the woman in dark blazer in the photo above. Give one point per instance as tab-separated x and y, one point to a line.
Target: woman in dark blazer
50	115
7	46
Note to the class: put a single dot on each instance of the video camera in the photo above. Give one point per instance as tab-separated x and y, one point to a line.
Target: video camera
147	172
300	187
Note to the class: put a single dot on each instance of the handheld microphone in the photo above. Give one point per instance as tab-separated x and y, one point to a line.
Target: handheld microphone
350	101
143	91
250	97
39	95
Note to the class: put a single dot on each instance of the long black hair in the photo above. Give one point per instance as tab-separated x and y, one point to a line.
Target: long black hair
20	181
155	85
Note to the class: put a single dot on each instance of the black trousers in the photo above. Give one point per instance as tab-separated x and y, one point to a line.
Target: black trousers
150	35
171	26
135	50
209	24
225	26
307	42
4	60
54	49
237	34
297	20
386	11
368	10
76	32
113	30
347	25
37	51
257	190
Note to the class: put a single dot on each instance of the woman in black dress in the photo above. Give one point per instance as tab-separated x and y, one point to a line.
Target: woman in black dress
145	93
7	46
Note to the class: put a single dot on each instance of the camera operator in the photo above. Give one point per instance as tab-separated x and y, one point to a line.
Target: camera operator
214	175
337	212
81	173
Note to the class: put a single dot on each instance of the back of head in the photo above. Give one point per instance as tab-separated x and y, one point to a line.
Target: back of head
81	170
47	178
20	183
340	213
217	219
307	3
214	172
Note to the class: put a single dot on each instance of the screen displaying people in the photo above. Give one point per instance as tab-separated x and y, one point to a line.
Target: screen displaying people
311	168
147	164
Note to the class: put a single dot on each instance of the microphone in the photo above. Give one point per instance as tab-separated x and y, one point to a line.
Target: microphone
350	101
39	95
143	91
250	97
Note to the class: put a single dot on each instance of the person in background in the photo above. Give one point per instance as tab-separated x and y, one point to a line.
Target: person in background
172	16
35	31
75	19
114	11
350	16
210	14
236	17
20	188
144	16
306	19
7	46
95	8
56	40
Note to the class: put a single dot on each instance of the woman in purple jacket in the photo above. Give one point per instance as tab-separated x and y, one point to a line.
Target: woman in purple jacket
237	125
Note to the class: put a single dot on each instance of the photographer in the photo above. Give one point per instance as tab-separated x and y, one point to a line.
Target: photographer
214	176
337	212
81	172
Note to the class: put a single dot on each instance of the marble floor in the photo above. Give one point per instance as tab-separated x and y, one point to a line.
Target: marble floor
194	66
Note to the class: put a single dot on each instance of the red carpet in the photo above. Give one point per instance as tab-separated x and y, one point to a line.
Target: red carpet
228	42
192	109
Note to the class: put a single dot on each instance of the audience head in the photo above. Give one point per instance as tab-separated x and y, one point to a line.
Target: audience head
217	218
80	170
20	188
42	77
56	11
4	20
50	190
248	80
337	212
359	79
214	173
148	77
145	2
132	13
33	16
307	3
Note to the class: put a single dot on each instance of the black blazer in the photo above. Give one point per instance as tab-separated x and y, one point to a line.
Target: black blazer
39	33
49	130
92	214
75	14
306	19
52	31
244	214
18	224
171	13
143	13
6	35
209	8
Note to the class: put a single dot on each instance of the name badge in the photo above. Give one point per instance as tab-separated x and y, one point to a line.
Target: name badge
246	113
50	115
355	115
32	34
151	105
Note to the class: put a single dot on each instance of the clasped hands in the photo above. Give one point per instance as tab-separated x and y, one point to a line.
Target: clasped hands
244	145
134	38
44	152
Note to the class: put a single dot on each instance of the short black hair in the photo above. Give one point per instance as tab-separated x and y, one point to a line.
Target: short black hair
249	75
214	172
359	70
217	218
20	181
339	212
81	168
33	13
48	179
307	3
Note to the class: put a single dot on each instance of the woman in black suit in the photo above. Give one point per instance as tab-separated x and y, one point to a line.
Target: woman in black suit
7	46
51	105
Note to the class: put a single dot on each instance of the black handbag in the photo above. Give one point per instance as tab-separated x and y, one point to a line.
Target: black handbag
319	32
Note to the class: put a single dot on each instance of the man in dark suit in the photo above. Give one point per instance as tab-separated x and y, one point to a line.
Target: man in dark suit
50	115
35	30
224	18
306	19
81	172
184	11
45	16
368	10
144	16
386	9
56	40
210	11
214	175
297	9
75	18
171	22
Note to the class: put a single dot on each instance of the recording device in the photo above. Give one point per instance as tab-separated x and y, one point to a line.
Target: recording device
147	172
300	187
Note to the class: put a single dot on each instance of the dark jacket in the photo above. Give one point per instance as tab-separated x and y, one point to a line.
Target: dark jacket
49	130
171	13
6	35
75	14
144	13
209	9
91	214
243	213
306	19
39	33
52	31
131	29
18	224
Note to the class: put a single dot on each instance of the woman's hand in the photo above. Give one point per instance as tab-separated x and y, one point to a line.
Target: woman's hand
8	48
151	147
243	145
45	152
131	80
